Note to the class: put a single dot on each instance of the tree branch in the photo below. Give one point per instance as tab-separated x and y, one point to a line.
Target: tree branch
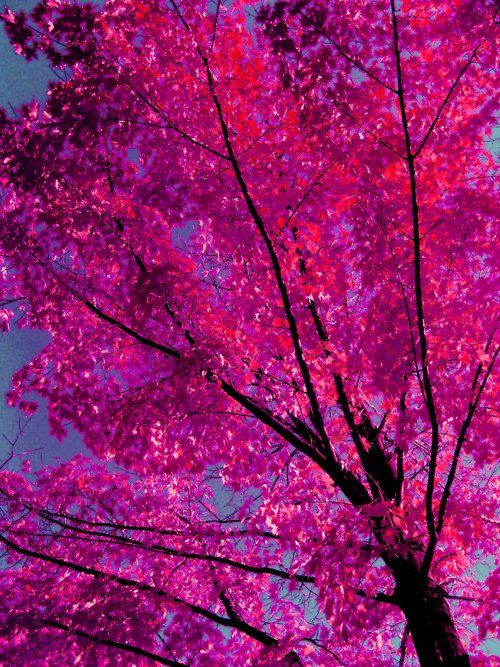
458	447
345	55
169	351
244	627
445	101
379	472
169	551
417	264
122	646
347	482
259	222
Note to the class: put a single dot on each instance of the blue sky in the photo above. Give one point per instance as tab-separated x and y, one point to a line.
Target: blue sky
20	82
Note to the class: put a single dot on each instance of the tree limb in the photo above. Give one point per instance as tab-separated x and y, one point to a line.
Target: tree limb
122	646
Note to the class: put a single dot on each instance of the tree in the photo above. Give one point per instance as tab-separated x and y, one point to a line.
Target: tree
262	240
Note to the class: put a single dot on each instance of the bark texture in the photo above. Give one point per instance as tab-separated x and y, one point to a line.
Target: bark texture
430	622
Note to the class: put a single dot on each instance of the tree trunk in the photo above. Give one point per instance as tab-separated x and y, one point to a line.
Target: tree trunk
430	623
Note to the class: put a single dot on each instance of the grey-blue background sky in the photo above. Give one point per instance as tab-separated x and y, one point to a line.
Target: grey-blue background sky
20	82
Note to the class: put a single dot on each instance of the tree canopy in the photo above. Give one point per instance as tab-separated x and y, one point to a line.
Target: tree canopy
262	239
